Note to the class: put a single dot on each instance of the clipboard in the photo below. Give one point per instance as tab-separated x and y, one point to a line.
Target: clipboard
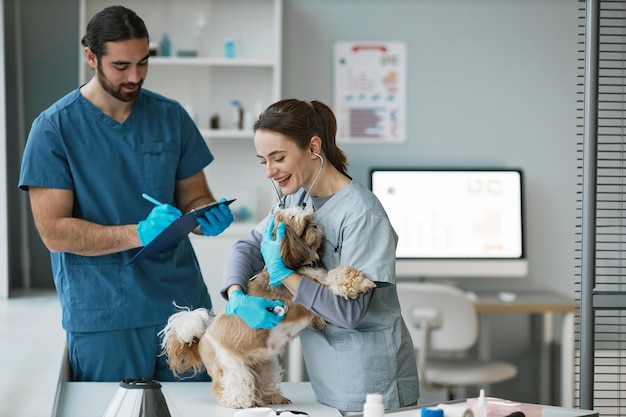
175	232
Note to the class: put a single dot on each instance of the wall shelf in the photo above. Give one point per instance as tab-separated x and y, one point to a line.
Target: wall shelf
226	134
210	62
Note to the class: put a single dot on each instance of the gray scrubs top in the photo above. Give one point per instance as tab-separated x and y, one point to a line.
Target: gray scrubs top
376	356
372	353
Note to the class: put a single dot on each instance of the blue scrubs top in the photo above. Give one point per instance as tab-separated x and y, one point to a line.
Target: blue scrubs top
72	145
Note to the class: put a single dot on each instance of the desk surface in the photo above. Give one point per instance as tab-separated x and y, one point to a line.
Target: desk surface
188	399
526	302
542	411
185	399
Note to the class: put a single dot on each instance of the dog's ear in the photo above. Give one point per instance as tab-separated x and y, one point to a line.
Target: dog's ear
295	249
314	237
294	217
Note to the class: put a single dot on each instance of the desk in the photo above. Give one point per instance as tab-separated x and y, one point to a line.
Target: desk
546	304
90	399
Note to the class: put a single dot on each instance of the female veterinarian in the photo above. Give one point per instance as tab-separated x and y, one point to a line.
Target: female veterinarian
365	347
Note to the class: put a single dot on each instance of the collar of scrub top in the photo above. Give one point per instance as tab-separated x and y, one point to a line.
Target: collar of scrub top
281	198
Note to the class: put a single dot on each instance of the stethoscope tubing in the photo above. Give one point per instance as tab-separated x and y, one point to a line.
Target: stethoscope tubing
281	199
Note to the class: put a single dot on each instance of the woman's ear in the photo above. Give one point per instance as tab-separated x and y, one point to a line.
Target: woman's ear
315	146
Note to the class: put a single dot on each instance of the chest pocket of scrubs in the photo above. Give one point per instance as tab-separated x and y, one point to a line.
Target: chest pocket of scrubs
332	249
160	163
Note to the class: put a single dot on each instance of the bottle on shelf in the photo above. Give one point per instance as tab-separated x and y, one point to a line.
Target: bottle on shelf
237	114
229	48
200	36
153	48
214	122
165	45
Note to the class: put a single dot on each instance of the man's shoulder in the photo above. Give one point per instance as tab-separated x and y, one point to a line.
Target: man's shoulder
62	104
156	98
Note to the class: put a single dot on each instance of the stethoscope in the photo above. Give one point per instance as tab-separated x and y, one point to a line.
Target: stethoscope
281	198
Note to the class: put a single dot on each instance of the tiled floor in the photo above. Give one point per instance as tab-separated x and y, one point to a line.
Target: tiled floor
32	345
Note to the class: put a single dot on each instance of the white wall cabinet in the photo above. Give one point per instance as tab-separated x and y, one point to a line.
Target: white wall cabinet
206	85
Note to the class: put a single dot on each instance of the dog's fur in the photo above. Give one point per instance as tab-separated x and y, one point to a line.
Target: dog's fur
244	362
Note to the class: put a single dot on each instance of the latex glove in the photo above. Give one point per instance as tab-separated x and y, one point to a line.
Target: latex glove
253	310
159	218
216	220
270	249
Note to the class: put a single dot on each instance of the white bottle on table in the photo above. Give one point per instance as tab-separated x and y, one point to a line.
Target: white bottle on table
373	406
481	405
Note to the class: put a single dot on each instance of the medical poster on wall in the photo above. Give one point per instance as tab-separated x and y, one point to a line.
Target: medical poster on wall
370	91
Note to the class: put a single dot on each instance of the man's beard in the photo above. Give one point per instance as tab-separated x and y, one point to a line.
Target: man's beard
116	91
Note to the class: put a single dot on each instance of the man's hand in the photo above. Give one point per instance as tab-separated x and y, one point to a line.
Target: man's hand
216	220
159	218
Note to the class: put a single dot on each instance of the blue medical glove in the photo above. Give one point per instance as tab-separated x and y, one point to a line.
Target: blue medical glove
216	220
253	310
159	218
270	249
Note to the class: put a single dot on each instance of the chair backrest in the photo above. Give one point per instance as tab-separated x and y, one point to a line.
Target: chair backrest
451	315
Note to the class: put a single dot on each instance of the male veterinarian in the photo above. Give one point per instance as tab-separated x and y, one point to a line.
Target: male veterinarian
88	159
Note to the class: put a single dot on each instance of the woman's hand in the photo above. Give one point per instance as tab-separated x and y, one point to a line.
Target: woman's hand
270	249
255	311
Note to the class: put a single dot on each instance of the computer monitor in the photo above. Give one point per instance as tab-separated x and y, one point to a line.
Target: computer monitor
454	223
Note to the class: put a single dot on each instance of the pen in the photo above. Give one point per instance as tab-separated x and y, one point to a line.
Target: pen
151	199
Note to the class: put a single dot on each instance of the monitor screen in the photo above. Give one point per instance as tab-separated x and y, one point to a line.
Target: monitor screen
454	222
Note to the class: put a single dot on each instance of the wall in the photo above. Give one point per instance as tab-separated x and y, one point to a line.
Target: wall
4	234
41	66
490	83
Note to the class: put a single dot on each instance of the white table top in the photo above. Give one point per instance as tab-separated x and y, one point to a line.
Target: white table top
496	407
185	399
188	399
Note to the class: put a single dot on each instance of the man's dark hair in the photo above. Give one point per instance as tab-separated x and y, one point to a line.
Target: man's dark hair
113	24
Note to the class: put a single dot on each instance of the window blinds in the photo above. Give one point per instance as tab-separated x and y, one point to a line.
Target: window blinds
601	228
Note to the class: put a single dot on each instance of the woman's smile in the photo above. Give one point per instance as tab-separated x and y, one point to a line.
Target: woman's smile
283	180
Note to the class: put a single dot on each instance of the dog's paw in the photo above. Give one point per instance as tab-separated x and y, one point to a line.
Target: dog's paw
276	398
348	282
318	323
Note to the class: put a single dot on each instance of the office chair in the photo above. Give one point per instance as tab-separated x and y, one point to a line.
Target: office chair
443	323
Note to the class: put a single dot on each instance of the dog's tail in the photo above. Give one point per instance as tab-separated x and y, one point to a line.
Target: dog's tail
179	340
